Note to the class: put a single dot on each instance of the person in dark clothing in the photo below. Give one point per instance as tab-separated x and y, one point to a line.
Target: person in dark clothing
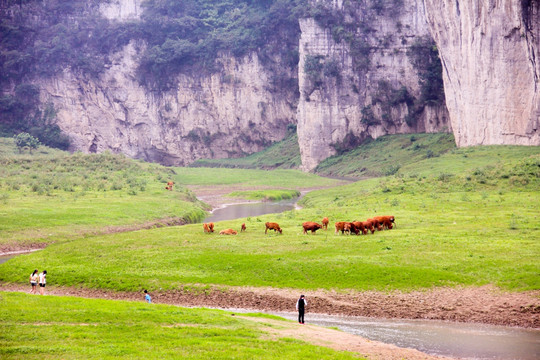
301	305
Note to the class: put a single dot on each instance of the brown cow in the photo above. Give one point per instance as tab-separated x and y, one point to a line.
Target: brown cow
243	227
311	226
376	224
228	232
273	226
386	221
353	228
205	227
343	226
369	224
325	223
360	226
211	227
167	188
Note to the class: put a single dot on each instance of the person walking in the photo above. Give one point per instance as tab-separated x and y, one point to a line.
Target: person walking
147	297
301	305
34	281
42	282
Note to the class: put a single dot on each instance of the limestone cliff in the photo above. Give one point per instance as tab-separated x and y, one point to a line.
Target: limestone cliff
490	52
225	114
338	109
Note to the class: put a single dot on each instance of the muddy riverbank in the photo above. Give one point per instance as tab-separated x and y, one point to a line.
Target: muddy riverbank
485	304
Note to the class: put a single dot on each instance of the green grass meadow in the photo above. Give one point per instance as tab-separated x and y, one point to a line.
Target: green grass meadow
52	195
464	217
50	327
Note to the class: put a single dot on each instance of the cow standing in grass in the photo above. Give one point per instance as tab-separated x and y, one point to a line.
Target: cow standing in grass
311	226
273	226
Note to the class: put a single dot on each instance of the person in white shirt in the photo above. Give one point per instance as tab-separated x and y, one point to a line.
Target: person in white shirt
34	281
42	282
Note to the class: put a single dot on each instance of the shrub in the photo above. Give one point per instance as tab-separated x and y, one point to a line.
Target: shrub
25	140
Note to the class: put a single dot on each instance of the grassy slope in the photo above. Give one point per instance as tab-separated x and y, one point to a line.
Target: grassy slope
477	228
281	155
50	327
52	194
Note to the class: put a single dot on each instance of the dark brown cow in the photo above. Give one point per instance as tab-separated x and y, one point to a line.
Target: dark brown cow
311	226
273	226
211	227
353	228
360	226
228	232
325	223
243	227
386	221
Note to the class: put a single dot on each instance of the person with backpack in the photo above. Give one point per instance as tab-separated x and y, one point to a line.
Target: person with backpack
301	305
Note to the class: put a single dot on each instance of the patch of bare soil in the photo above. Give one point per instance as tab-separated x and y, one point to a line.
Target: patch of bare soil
20	248
485	304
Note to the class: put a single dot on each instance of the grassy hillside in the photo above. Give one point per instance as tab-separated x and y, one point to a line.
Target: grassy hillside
281	155
52	194
479	227
50	327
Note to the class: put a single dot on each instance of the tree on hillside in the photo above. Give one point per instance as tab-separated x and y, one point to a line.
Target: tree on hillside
25	140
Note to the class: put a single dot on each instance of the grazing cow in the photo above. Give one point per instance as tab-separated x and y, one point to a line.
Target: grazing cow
369	224
342	226
272	226
311	226
376	224
243	227
353	228
228	232
386	221
205	227
211	227
325	223
360	226
167	188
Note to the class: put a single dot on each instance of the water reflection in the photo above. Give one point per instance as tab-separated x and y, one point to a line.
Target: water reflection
231	212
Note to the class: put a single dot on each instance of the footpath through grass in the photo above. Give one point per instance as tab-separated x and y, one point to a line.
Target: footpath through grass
37	327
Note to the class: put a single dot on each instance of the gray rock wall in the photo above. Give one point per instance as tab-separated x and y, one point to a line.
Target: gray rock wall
491	61
331	113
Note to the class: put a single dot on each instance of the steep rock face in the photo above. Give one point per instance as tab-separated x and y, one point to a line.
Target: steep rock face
121	10
338	111
490	52
226	114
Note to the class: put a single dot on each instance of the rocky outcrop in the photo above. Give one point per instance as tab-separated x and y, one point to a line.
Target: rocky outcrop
121	10
226	114
490	51
338	109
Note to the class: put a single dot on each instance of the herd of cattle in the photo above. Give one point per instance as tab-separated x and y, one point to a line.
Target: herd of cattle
375	223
